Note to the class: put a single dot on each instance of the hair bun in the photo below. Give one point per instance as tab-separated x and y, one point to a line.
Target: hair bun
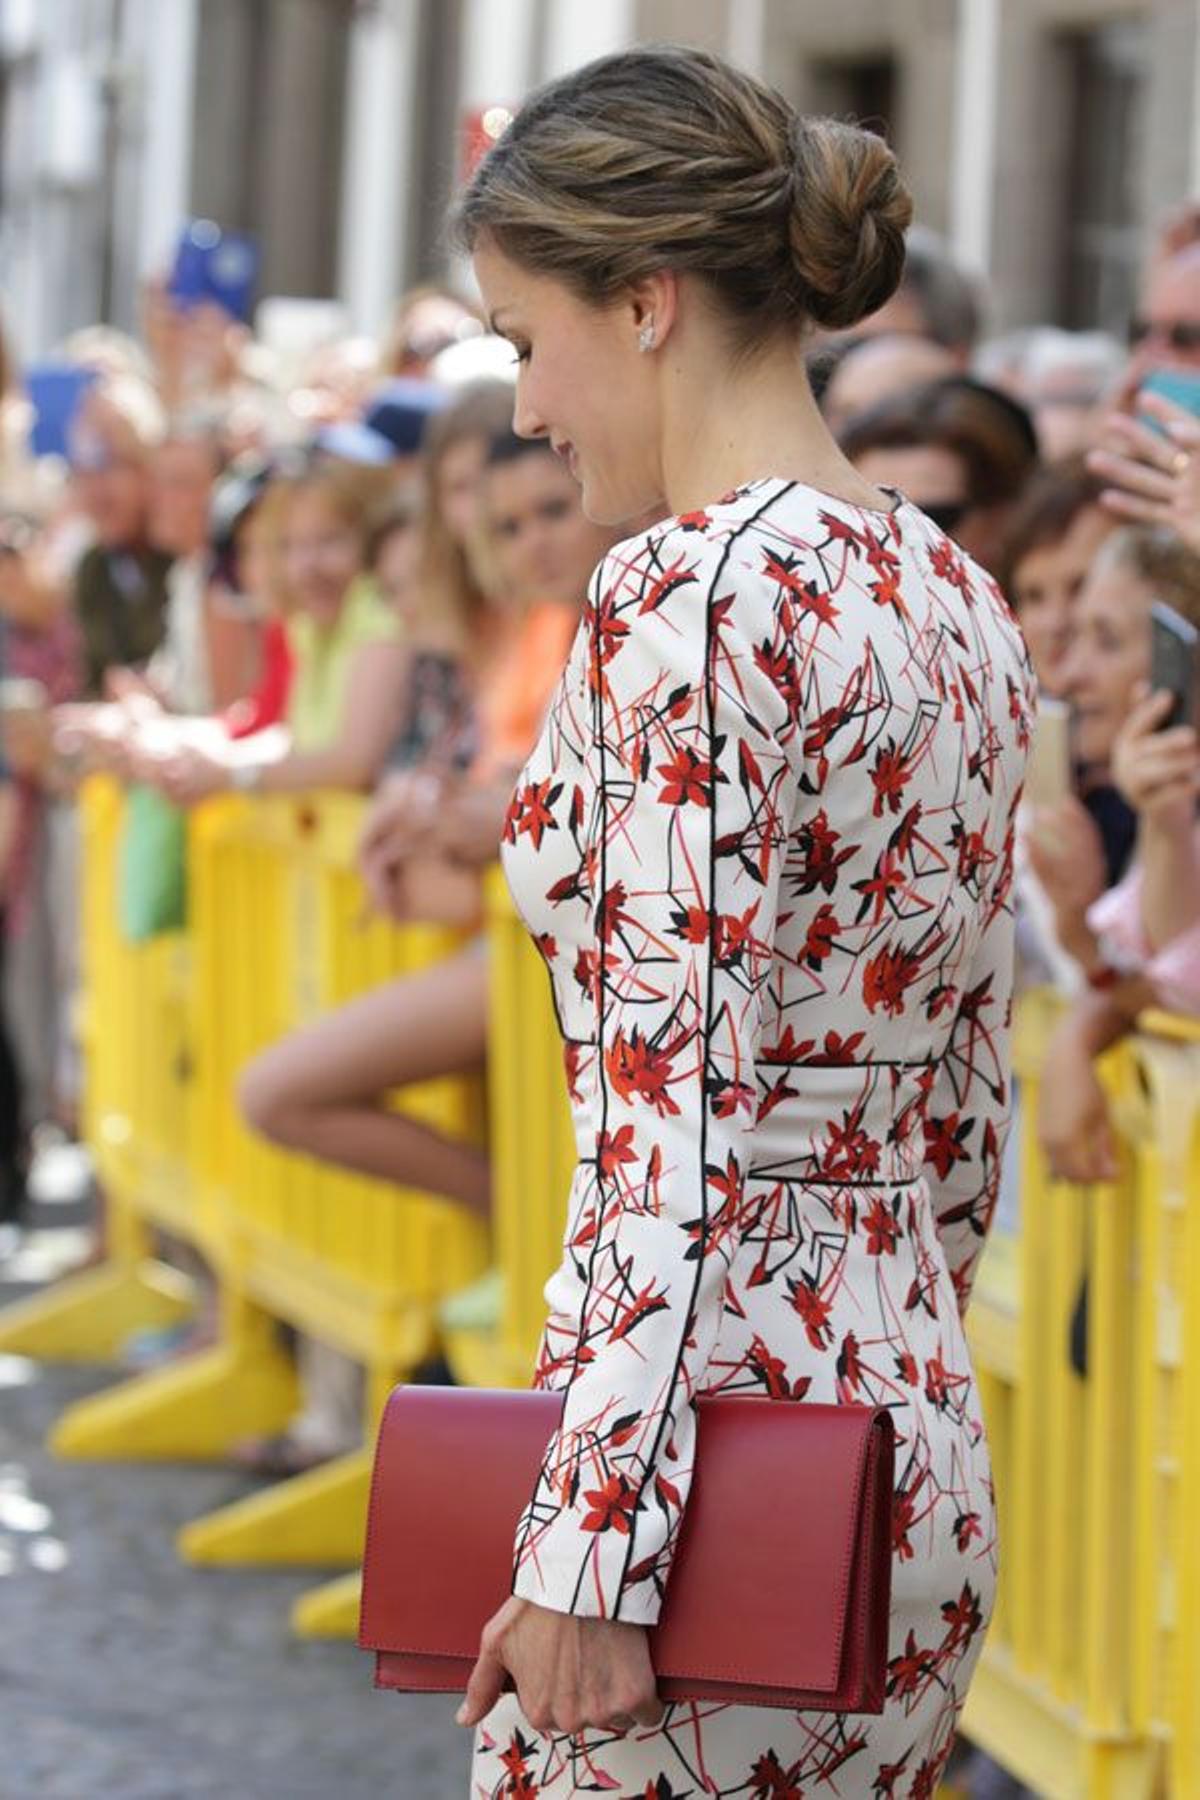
849	212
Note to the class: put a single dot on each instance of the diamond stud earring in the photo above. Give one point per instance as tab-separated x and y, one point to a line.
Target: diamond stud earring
646	336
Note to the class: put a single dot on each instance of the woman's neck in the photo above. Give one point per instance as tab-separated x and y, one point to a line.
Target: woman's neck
757	419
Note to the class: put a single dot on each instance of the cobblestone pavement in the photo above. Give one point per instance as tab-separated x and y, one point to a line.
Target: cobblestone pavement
127	1675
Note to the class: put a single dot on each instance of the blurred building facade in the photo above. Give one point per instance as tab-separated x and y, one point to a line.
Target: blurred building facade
1043	137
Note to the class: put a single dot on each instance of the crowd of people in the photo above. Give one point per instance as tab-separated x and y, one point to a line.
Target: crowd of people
347	572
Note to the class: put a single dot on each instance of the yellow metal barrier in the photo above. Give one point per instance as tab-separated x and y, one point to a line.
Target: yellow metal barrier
1088	1683
532	1147
275	935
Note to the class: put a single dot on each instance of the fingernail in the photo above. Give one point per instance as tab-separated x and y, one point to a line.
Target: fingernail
461	1714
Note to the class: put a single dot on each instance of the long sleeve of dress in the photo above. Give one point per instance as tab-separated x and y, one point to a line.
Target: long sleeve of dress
967	1121
686	792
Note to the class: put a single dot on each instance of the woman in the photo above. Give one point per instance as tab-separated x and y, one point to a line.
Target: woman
350	658
961	449
763	844
1055	531
1138	942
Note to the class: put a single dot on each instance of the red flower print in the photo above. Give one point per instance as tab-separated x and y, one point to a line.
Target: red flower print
515	1760
889	777
849	1367
686	778
773	1782
610	912
851	1151
822	858
908	1672
967	1526
814	1311
963	1617
615	1148
882	1229
822	930
636	1067
903	1513
887	978
945	1141
807	596
789	1049
836	1052
610	1505
534	815
906	1368
690	924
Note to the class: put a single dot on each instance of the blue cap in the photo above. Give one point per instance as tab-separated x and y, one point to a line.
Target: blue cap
356	443
401	409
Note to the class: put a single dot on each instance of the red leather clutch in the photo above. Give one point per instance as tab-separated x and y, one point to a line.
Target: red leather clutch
781	1583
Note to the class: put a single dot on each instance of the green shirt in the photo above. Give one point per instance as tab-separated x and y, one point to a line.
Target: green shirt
323	657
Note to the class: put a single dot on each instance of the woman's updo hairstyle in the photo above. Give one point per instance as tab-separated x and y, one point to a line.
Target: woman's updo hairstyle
669	158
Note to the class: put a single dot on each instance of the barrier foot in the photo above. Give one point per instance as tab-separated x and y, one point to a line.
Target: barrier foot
312	1520
331	1610
193	1411
86	1318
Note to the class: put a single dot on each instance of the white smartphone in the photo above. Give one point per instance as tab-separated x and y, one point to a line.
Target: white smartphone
1048	773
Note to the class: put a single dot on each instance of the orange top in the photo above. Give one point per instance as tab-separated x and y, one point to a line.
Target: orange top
519	684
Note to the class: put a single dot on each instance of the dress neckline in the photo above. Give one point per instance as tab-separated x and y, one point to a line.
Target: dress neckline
793	481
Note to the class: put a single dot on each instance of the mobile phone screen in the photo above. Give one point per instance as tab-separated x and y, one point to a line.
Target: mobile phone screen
1175	663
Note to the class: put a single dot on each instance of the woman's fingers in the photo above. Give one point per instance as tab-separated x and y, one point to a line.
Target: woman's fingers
483	1689
1148	481
1183	427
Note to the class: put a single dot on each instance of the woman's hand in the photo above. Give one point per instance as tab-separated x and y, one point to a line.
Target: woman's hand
470	821
187	776
1157	771
1152	477
1067	856
569	1673
398	823
1074	1129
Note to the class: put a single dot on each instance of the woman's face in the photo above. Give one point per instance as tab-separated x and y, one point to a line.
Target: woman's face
457	485
544	544
581	383
1108	656
1046	585
320	555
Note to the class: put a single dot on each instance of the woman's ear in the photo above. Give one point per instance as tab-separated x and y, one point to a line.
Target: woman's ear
654	308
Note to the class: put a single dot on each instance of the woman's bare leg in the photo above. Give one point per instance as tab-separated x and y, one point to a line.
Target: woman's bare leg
321	1090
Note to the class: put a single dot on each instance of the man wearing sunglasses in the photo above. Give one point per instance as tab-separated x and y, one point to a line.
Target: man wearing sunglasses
1165	331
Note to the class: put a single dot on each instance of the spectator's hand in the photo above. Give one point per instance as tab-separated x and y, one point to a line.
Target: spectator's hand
28	738
1157	771
1150	477
470	821
1067	856
188	776
398	822
1074	1129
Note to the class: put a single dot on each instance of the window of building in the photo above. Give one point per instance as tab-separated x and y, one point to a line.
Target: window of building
863	89
1106	87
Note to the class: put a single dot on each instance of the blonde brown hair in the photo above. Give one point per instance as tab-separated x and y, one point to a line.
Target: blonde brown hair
451	587
1156	556
357	495
669	158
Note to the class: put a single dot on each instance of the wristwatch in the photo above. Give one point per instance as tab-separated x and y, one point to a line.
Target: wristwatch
246	778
